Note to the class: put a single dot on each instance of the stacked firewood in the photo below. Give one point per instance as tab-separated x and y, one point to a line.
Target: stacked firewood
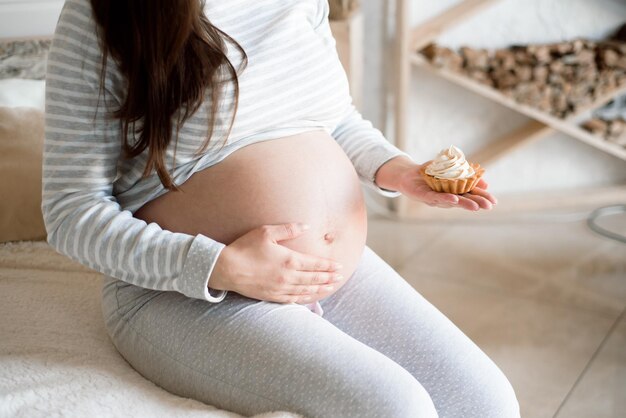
341	9
613	130
558	78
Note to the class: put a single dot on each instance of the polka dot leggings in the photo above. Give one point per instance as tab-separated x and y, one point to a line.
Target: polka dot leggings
379	350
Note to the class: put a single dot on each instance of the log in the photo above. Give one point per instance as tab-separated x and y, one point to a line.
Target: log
524	72
613	131
503	58
540	73
504	79
482	77
595	126
475	59
541	53
443	57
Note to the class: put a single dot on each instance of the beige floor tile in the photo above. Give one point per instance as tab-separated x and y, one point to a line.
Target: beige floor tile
601	393
395	241
542	349
561	263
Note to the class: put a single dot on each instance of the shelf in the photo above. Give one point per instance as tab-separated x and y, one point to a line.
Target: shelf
541	124
563	125
530	132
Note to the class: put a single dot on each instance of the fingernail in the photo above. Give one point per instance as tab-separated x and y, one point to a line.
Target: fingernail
337	266
306	298
329	288
306	226
338	278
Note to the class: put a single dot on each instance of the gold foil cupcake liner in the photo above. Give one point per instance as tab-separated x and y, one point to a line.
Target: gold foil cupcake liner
455	186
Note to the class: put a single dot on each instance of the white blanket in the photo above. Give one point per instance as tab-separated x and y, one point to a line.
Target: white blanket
55	356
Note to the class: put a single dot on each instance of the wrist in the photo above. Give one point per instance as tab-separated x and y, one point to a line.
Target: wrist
388	174
218	274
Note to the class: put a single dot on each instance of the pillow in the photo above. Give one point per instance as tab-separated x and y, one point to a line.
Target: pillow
21	149
22	92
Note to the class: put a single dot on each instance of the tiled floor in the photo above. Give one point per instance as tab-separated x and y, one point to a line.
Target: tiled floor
544	298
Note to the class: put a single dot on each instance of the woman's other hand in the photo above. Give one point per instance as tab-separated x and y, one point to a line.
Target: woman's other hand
257	266
402	175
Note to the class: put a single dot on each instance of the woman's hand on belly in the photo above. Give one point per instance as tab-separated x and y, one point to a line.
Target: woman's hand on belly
256	266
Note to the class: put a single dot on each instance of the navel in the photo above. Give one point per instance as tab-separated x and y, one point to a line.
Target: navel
329	237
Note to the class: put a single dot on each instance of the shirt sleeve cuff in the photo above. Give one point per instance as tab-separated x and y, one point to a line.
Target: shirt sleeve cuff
376	164
197	269
383	192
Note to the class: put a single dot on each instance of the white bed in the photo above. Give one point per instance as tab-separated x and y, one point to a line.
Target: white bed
55	356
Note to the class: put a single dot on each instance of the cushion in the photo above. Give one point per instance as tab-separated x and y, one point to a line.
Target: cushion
16	92
21	148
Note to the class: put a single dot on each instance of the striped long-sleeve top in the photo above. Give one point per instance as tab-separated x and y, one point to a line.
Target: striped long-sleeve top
294	82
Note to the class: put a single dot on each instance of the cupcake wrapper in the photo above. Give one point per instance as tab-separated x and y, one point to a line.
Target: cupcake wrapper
455	186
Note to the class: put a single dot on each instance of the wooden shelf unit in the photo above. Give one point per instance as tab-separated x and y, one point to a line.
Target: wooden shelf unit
569	125
540	125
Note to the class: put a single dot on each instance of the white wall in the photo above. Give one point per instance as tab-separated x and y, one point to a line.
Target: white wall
442	113
25	18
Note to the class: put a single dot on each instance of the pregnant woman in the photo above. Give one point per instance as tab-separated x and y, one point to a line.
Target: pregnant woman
188	146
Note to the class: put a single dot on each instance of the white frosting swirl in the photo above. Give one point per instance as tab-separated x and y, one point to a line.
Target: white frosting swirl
450	164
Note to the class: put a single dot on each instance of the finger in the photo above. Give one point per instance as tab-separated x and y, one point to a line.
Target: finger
307	293
301	298
444	205
305	262
284	231
440	205
305	279
310	291
482	192
437	198
468	204
482	202
482	184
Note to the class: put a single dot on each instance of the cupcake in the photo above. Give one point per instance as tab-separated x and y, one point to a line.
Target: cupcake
450	172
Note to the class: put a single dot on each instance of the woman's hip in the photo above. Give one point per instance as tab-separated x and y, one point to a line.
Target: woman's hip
158	314
194	348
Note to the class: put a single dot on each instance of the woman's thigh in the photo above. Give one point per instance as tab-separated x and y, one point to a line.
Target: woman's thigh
250	356
379	308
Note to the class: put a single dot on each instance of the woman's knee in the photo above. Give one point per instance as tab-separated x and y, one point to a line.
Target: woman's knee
388	392
495	396
407	398
502	400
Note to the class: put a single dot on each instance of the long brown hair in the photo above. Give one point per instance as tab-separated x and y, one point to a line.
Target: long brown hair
169	53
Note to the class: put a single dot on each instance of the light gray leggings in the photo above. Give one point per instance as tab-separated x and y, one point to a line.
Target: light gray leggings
380	350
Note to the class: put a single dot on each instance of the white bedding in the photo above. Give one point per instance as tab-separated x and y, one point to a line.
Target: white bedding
55	356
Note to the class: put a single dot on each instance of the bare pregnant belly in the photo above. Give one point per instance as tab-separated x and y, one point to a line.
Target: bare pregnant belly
301	178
